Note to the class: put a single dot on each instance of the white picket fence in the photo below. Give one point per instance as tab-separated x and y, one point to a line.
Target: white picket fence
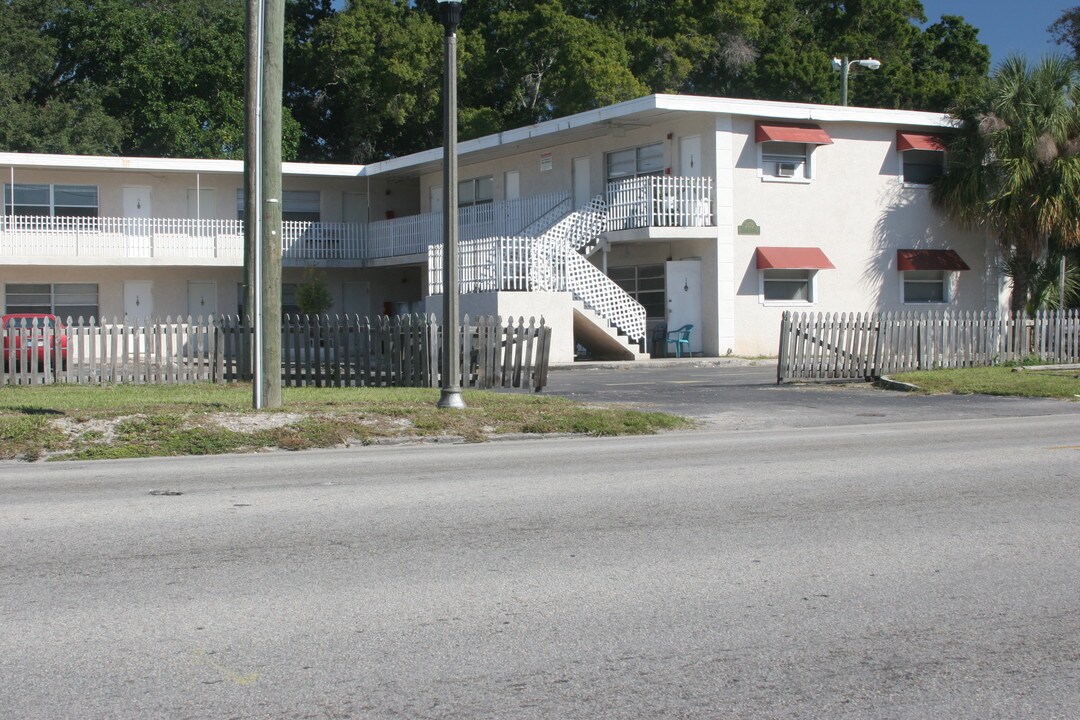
322	351
815	346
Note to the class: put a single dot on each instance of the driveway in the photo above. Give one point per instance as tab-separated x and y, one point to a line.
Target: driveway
734	397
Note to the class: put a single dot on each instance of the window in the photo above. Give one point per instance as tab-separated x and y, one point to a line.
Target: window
788	286
785	150
51	200
926	286
786	160
636	162
921	167
922	156
65	300
477	191
644	283
302	205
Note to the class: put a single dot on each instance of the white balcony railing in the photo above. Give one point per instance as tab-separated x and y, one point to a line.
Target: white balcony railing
659	201
179	239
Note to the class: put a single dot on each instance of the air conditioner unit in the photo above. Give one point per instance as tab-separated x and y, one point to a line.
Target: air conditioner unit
786	169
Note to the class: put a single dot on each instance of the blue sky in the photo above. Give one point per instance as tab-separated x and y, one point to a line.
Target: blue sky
1006	26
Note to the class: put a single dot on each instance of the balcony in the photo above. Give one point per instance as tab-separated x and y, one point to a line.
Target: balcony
650	202
660	202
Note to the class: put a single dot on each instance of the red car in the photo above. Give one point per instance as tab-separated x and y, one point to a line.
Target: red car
19	325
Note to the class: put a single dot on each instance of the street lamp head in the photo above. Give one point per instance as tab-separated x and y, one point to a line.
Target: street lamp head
837	63
450	15
870	63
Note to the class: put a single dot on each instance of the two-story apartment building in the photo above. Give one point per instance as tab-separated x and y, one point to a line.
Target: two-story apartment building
668	210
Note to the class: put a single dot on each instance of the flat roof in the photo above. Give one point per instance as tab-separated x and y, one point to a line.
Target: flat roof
169	165
639	112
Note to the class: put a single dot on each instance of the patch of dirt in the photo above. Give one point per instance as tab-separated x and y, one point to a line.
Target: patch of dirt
253	422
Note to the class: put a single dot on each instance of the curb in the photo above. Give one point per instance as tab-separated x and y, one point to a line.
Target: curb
889	384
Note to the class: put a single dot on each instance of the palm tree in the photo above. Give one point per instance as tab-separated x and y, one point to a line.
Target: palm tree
1014	167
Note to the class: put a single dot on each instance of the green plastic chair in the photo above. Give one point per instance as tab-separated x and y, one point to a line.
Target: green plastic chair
679	338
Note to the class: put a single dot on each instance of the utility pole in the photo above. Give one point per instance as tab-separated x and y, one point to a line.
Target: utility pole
252	74
265	31
273	62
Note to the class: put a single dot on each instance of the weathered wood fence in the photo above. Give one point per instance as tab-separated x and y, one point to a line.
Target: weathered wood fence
815	346
321	351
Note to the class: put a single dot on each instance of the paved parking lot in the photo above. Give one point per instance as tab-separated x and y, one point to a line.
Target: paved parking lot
740	397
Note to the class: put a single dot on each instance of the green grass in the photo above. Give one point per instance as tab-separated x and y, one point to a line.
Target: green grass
997	381
126	421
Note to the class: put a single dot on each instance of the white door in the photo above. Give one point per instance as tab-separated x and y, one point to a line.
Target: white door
682	280
435	198
136	201
354	208
581	182
202	298
512	185
690	156
138	299
356	298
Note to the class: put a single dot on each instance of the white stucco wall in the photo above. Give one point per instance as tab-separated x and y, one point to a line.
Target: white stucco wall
555	309
859	213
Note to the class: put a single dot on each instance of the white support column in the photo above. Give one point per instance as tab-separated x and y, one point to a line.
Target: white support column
725	237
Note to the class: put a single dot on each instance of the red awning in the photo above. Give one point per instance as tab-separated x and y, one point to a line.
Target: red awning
918	141
929	260
784	132
792	258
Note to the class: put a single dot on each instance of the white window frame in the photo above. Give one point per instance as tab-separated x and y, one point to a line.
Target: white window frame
292	201
811	288
51	205
639	170
807	160
56	291
949	280
904	181
476	185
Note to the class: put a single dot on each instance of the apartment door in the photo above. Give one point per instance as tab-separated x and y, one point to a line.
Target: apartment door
512	185
354	208
581	182
435	198
136	201
202	298
138	299
690	156
682	281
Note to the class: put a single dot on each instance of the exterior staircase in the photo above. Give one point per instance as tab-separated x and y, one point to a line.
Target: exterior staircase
608	322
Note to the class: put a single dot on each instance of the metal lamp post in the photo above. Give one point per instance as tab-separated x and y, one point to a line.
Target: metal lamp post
450	396
844	66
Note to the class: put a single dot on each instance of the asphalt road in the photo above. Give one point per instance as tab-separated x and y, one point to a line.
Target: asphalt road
742	398
886	570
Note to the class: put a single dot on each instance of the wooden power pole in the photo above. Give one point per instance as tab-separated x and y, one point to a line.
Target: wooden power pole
262	187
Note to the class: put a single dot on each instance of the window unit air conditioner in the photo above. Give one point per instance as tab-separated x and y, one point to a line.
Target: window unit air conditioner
786	169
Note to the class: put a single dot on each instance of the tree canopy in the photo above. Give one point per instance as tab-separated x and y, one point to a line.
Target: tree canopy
363	80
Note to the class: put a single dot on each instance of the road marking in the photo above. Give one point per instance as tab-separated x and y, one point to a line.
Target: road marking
1064	447
203	658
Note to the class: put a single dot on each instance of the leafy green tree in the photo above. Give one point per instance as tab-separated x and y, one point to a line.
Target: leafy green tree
371	87
1014	168
1066	30
38	115
172	71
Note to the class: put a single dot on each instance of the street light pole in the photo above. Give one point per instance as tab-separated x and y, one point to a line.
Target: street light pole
844	66
450	395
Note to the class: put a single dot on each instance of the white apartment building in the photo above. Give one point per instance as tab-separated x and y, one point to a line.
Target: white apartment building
667	209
